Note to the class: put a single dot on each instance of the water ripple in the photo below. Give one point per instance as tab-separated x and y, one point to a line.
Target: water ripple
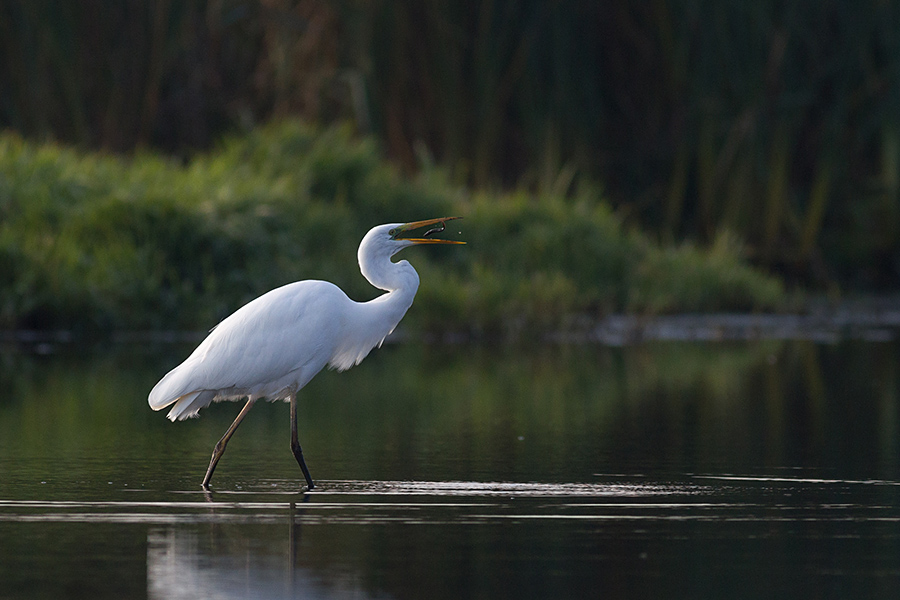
730	498
506	489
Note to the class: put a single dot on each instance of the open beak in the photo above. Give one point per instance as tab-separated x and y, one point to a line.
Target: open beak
434	226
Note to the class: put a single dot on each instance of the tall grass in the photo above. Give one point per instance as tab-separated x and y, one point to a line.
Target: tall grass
775	120
97	242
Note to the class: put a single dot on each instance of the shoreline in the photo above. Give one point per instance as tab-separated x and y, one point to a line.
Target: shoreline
873	321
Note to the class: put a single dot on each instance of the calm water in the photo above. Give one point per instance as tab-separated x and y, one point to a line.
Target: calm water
745	470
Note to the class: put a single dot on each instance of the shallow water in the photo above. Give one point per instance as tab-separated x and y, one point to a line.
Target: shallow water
740	470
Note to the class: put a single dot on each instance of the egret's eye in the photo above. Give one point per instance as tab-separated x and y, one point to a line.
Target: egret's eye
392	232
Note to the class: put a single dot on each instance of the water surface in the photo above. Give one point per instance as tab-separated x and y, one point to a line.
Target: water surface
765	469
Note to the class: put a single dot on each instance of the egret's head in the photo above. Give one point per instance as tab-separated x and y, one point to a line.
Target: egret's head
384	241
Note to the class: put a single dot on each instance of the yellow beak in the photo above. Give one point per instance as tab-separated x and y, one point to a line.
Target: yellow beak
436	226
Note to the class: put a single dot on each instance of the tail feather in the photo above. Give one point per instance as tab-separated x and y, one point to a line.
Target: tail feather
190	404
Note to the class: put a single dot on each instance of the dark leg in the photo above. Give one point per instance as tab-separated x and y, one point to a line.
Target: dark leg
295	444
219	450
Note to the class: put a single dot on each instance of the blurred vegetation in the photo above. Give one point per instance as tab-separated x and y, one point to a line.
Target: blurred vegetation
779	122
95	242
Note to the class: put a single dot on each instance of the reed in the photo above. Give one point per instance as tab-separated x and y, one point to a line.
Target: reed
774	120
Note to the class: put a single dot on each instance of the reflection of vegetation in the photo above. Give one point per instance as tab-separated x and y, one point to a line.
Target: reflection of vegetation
473	413
570	405
97	242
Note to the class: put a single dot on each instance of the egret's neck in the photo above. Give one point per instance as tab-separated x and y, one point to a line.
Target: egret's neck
378	268
399	279
366	324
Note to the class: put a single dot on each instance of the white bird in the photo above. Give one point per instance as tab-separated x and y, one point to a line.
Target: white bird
272	346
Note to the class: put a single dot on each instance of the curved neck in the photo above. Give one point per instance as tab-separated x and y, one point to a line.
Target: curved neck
401	282
366	324
379	270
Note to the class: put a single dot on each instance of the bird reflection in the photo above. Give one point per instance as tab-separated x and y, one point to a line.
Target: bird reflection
226	561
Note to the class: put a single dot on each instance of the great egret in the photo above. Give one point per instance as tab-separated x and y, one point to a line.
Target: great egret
272	346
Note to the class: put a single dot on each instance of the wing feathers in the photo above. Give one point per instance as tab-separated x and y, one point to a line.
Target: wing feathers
281	340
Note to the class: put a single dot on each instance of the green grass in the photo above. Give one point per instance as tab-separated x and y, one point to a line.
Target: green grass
94	242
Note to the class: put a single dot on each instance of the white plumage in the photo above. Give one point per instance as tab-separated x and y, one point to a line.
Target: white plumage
296	331
272	346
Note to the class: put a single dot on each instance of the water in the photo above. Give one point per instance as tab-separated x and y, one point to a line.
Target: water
738	470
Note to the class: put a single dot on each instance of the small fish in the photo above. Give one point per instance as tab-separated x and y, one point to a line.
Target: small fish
435	230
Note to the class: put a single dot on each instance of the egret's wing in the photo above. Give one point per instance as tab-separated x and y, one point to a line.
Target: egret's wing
264	341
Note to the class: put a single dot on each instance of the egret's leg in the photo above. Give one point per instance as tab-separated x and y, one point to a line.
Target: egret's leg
295	444
219	450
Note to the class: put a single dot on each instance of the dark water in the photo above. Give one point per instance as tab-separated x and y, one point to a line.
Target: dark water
741	470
